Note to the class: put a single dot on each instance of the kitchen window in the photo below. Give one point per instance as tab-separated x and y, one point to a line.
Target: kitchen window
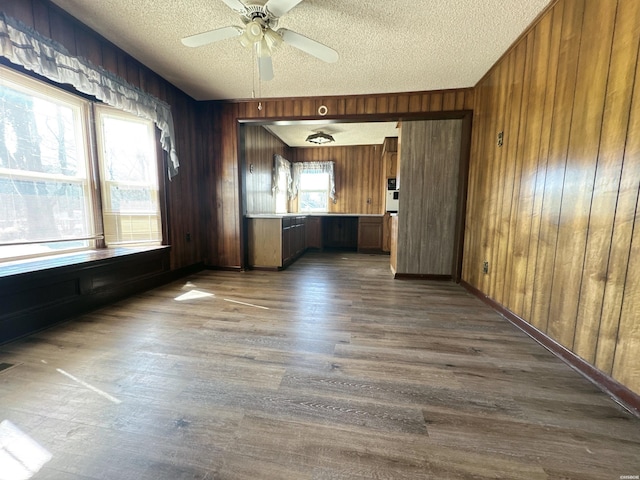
314	192
314	184
49	178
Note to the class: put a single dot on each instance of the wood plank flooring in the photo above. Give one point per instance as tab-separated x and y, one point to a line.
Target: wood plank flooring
344	373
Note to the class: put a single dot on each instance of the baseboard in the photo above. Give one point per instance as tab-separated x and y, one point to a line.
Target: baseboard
422	276
621	394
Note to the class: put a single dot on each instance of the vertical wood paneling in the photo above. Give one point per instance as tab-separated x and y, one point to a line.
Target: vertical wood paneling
358	171
561	123
259	148
572	183
596	280
584	138
429	199
550	65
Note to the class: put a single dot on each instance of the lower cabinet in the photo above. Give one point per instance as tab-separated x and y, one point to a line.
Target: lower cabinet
275	242
370	234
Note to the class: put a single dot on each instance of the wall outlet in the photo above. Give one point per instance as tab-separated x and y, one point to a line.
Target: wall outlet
485	267
500	139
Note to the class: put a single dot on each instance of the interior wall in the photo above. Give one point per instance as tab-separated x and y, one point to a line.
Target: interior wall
183	193
555	209
221	174
429	196
358	169
259	148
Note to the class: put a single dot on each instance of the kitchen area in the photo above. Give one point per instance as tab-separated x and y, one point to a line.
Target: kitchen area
365	214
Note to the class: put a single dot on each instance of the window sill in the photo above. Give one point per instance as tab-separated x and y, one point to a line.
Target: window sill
73	259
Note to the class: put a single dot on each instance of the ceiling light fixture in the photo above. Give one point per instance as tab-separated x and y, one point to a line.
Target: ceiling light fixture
320	138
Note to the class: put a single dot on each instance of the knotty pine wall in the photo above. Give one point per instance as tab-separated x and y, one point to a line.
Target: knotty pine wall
555	210
183	197
358	169
222	173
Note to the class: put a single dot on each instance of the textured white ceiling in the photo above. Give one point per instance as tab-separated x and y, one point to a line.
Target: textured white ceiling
384	46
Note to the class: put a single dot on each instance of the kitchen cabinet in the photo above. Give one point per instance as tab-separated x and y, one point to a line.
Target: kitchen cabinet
313	232
386	232
275	242
370	234
340	232
394	244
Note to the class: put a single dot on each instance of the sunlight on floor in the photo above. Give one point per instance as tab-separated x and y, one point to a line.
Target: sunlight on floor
21	457
193	295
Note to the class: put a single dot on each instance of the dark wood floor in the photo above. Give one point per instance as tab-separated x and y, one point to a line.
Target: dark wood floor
344	373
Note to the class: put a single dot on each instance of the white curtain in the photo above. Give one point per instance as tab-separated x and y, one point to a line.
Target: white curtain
281	166
24	46
314	167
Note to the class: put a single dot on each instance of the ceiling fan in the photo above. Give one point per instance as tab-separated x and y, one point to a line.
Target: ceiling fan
259	33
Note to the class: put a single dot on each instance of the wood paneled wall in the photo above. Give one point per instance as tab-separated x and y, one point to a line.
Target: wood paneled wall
259	149
428	206
555	210
358	170
184	197
222	118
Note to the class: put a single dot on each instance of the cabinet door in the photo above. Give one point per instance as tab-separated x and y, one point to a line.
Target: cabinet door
265	242
313	232
370	234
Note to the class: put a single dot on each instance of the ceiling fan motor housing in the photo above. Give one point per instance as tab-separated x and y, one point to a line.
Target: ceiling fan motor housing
259	13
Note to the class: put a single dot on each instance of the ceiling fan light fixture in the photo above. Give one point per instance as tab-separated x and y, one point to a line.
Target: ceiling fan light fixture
320	138
272	38
253	33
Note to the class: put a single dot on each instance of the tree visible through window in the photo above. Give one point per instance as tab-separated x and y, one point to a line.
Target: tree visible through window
44	187
314	192
47	195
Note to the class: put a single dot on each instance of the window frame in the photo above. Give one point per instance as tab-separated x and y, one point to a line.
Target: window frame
101	111
46	89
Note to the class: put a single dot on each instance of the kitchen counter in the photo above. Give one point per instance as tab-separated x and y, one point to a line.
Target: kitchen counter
285	215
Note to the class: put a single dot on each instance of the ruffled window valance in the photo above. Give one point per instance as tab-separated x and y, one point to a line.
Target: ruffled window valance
314	167
24	46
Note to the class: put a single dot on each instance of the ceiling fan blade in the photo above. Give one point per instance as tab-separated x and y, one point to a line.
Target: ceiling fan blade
236	5
212	36
318	50
279	7
265	64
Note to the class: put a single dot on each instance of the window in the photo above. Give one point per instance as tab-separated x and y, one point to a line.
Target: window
129	178
314	192
48	198
44	180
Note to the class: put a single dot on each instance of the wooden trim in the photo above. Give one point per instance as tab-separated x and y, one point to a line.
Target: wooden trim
463	185
618	392
421	276
329	98
224	269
